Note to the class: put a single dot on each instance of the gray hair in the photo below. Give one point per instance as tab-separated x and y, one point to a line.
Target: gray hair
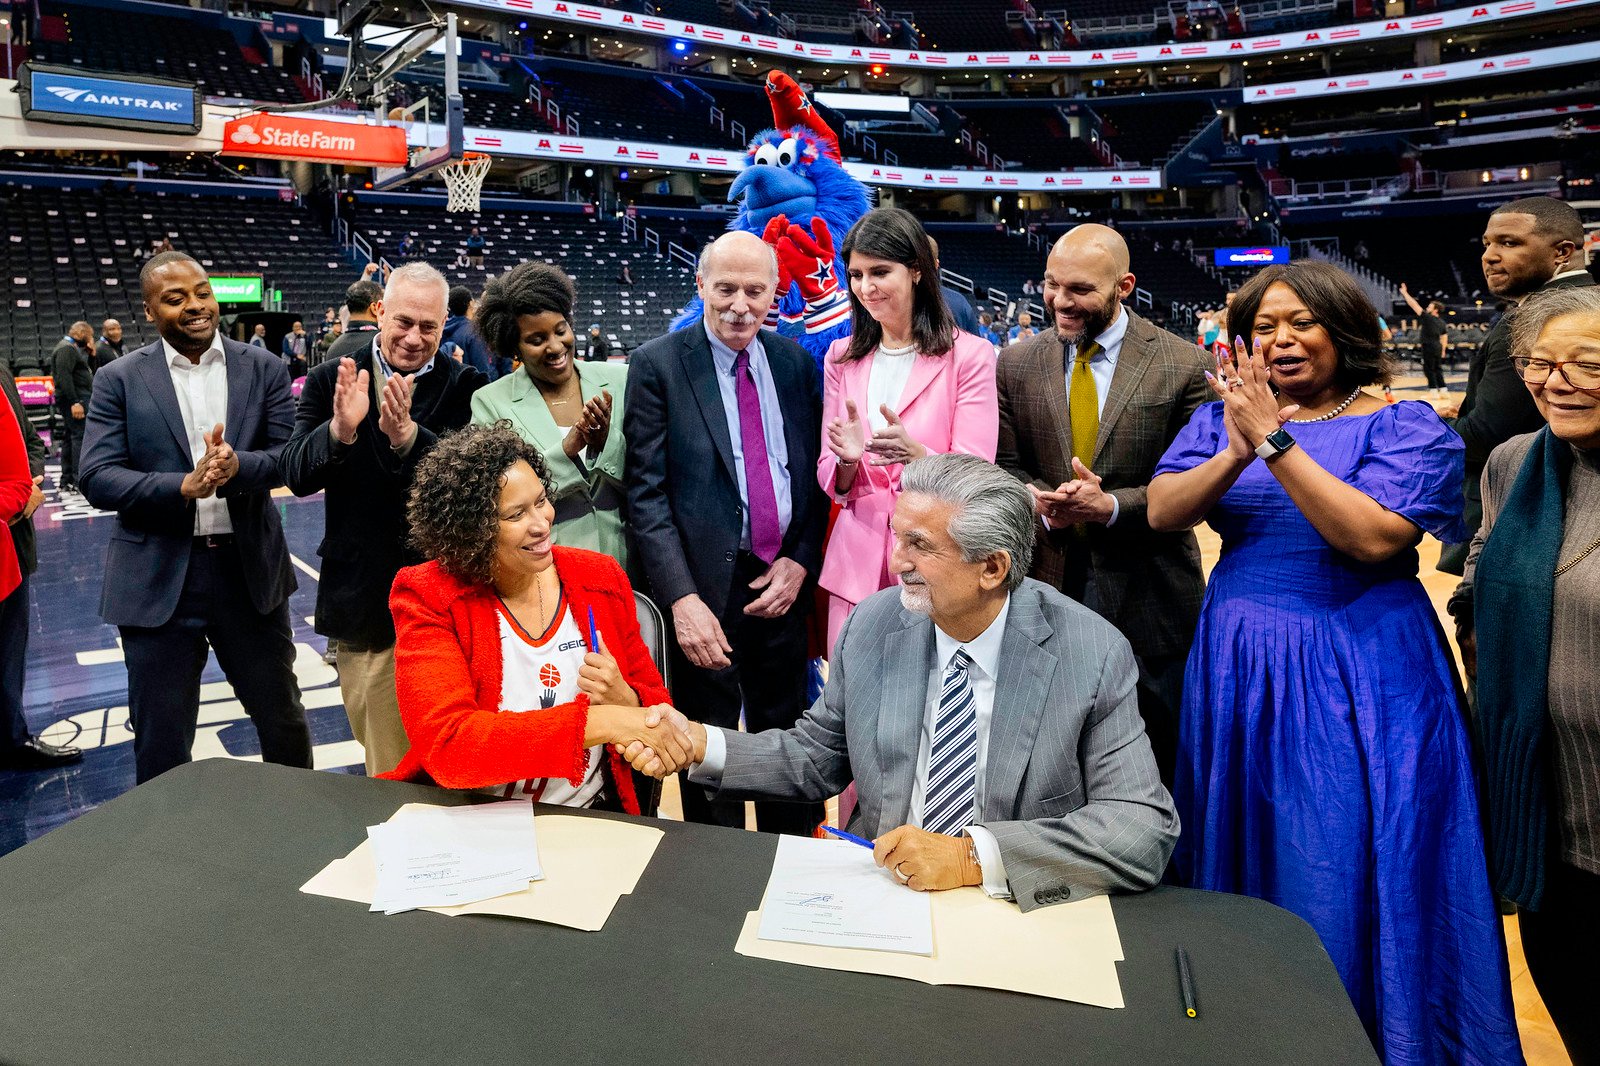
1530	317
994	510
705	258
418	273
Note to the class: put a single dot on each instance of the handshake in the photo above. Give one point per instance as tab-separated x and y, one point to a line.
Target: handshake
660	741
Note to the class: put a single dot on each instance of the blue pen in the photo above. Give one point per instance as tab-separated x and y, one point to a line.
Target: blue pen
851	837
594	639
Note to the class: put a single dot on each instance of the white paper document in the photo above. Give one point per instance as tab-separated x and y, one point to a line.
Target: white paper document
446	856
830	893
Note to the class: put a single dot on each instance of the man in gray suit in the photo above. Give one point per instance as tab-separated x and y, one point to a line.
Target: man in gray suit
989	722
1086	411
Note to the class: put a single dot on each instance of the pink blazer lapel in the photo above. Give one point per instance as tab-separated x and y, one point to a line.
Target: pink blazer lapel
924	371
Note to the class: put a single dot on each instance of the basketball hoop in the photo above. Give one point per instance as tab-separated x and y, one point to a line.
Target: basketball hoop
464	180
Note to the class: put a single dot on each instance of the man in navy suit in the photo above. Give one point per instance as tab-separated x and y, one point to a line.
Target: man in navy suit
723	424
182	442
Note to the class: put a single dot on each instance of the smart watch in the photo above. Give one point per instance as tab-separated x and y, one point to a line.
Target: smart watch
1275	444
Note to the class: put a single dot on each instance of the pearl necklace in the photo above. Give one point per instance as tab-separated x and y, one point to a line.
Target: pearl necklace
894	352
1335	413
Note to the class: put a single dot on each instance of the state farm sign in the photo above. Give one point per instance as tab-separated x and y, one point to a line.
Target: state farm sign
284	137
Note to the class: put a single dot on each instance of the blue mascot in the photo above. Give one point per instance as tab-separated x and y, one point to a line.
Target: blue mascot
795	193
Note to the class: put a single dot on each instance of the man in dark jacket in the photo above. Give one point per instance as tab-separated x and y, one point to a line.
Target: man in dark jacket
73	372
364	423
183	441
599	348
1528	245
461	333
364	301
110	346
20	750
723	423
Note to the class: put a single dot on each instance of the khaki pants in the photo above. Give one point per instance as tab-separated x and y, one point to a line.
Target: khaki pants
366	679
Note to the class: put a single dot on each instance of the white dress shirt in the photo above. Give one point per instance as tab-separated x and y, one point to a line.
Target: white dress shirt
771	427
202	390
984	649
1102	367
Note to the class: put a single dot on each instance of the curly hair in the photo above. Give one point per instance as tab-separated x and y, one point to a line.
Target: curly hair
454	509
525	289
1340	307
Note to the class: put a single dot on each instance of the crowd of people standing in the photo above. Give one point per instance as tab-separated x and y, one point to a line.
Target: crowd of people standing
1011	568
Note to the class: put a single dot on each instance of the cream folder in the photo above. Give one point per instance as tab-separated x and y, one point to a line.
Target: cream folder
1068	951
589	863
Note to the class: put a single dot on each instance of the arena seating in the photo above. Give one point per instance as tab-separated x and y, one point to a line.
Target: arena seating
954	24
75	254
1140	131
591	251
171	47
1033	136
925	149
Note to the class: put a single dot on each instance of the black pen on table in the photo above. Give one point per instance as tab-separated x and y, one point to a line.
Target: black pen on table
1186	984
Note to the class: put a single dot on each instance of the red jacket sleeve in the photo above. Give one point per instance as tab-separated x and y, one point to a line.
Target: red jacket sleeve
16	479
458	742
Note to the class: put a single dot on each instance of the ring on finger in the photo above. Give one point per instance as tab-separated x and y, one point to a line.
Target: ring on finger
1235	383
900	874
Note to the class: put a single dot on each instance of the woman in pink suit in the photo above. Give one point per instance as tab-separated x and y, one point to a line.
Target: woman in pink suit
904	384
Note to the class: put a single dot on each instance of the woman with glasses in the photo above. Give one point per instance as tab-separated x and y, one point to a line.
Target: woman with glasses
1324	762
1528	615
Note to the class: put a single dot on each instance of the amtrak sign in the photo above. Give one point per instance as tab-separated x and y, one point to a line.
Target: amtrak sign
72	96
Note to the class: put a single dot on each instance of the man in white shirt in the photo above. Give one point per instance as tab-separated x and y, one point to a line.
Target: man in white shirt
988	722
182	442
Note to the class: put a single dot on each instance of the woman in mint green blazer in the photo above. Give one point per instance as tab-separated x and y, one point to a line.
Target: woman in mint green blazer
570	410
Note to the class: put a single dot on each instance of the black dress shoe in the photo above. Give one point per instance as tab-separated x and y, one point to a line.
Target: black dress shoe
35	754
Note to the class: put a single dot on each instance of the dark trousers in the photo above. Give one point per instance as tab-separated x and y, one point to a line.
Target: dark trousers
1433	369
13	658
1160	686
1561	941
255	651
71	446
767	680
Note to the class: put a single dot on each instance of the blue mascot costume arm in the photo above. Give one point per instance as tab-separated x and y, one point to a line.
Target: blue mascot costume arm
793	180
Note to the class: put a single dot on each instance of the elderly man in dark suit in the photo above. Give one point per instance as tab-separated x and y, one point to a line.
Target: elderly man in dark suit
182	442
988	722
1086	411
723	424
364	422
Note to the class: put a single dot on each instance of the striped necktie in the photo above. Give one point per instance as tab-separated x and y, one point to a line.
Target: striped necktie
953	755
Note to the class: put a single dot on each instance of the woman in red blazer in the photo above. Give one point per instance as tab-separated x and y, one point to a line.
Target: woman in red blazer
904	384
16	489
517	663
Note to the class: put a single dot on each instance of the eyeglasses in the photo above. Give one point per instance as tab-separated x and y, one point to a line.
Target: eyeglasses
1585	377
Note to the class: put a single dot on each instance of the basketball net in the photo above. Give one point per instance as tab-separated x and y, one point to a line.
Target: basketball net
464	180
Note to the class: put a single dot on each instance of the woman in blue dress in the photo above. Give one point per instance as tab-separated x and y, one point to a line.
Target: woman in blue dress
1325	763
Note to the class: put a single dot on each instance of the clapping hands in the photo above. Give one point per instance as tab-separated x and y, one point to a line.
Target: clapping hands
214	469
591	429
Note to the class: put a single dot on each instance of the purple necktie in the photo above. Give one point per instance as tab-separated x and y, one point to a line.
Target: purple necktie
765	536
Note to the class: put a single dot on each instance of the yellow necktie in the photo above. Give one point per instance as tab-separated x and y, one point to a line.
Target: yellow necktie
1083	404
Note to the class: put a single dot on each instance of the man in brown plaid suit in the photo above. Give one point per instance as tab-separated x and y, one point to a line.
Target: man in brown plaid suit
1086	411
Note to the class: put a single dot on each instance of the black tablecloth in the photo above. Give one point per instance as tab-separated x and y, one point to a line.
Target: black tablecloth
167	927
